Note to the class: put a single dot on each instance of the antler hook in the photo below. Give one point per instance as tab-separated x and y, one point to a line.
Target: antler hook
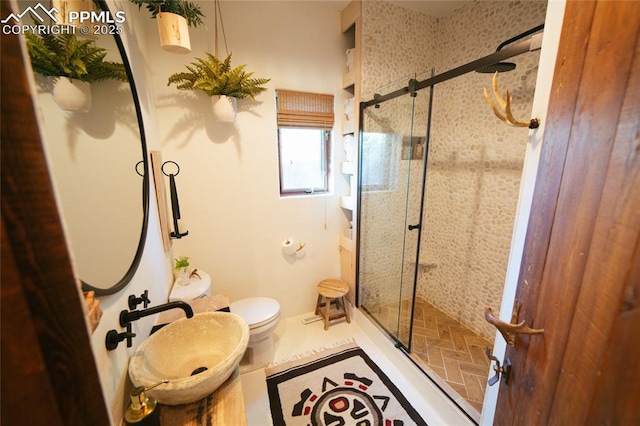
505	103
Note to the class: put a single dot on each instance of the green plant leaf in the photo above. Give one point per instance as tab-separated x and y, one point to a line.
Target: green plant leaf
64	55
216	77
187	9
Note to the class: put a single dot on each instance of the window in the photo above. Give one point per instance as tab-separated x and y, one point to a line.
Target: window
304	161
305	121
379	161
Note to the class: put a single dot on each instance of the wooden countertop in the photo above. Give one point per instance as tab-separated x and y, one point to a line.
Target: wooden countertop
224	407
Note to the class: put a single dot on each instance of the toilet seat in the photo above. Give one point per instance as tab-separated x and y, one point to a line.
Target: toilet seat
256	311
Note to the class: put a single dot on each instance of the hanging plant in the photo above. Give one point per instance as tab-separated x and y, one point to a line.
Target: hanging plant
187	9
76	63
217	78
174	18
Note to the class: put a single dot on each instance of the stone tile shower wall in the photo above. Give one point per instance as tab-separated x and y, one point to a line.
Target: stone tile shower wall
397	43
388	210
475	161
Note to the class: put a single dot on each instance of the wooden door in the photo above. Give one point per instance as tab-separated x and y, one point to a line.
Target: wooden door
580	275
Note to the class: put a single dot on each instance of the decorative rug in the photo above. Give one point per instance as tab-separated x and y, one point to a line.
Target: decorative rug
337	387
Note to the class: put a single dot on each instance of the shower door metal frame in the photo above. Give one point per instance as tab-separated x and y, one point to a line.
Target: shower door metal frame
420	228
413	93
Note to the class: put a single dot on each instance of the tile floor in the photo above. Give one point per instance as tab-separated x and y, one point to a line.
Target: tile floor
452	354
292	338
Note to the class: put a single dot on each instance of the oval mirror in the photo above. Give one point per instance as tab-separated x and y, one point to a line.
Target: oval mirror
99	165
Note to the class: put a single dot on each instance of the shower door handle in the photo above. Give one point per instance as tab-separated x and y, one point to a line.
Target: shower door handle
412	227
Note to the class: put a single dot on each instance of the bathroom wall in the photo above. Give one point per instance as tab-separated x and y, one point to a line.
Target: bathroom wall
475	161
228	181
397	44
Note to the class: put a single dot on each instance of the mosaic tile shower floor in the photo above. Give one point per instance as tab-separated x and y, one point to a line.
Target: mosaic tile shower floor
442	345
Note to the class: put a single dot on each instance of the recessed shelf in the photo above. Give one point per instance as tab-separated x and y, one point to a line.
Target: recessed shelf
348	168
349	79
348	127
347	202
427	261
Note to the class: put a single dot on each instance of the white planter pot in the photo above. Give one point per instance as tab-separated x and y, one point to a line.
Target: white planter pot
224	108
183	276
71	94
174	32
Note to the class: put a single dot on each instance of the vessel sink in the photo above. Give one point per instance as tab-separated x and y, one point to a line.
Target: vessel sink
195	354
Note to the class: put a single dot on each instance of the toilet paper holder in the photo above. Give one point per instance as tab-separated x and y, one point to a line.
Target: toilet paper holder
289	246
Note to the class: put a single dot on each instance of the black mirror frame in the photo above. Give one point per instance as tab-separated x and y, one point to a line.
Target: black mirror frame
124	281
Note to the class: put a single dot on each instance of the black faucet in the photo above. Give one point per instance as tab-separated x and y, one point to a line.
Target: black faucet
126	318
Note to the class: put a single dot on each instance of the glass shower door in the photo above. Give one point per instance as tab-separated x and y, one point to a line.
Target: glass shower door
392	170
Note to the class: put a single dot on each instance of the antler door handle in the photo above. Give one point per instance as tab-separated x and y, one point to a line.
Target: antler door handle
510	331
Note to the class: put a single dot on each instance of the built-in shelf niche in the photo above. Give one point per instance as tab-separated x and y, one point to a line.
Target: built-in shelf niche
351	27
349	168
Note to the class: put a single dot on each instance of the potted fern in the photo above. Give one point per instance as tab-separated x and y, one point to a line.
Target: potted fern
174	18
76	63
225	85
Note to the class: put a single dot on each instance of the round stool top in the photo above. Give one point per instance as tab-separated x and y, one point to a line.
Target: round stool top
333	288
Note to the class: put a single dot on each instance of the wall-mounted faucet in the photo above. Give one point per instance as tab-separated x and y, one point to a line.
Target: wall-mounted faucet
127	317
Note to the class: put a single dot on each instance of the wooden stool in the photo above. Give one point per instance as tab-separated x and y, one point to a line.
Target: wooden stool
333	291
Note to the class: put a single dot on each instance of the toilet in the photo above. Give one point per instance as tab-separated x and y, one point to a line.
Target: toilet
262	314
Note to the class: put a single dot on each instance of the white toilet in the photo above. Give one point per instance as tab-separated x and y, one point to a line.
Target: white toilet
262	314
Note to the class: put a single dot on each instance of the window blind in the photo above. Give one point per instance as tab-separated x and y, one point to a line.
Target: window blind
305	110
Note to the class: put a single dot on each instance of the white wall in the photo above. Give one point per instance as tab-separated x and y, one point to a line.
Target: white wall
228	181
228	185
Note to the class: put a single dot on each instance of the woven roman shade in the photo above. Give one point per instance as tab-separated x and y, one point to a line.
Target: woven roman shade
306	110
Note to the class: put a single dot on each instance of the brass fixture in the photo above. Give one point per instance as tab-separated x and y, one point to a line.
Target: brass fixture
504	370
510	331
505	103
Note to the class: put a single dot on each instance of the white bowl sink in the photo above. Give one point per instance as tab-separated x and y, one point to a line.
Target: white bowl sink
195	354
